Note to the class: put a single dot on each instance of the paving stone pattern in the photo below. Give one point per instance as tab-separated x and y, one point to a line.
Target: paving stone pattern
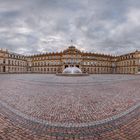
98	107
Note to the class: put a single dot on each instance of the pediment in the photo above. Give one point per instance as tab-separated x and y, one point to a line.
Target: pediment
72	50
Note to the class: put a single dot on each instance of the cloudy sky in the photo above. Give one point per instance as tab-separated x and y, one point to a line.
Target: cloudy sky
104	26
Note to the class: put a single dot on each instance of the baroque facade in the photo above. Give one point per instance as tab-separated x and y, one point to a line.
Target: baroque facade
52	63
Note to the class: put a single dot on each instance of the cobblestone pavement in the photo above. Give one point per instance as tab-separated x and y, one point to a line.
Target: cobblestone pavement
50	107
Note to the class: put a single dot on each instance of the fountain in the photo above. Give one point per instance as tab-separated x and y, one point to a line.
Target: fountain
72	71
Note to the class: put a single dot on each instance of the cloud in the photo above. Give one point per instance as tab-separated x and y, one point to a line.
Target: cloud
104	26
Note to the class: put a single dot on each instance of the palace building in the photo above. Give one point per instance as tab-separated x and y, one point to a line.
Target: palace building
52	63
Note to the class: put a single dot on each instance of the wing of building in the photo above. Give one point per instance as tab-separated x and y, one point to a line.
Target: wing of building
53	63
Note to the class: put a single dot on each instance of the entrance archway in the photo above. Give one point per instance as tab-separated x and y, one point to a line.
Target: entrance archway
66	66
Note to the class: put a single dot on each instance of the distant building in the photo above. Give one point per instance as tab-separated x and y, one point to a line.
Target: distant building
52	63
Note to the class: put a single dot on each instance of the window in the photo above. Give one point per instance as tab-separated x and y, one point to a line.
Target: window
4	61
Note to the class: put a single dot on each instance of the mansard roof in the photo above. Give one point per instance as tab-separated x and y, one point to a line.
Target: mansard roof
73	50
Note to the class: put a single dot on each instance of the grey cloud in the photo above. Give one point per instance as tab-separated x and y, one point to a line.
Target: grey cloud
106	26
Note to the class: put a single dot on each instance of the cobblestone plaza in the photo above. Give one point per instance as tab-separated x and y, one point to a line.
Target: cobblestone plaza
49	107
